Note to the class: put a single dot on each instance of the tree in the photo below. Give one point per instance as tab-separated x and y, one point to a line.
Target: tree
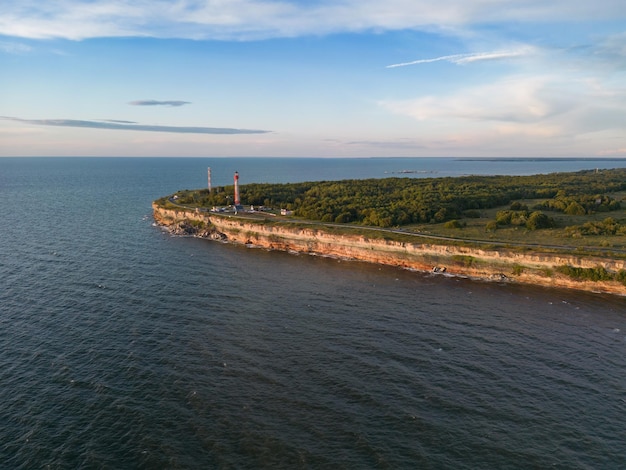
538	220
454	224
574	209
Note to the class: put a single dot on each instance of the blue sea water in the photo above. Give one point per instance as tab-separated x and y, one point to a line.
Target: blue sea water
124	347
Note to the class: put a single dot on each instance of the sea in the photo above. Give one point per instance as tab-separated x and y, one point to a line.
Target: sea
124	347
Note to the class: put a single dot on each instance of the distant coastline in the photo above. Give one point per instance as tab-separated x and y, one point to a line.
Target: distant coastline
542	159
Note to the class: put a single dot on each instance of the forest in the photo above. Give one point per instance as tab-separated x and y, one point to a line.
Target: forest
397	201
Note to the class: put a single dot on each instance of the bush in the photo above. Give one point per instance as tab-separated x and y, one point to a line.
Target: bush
491	226
538	220
454	224
343	218
608	226
503	217
465	260
517	269
599	273
574	209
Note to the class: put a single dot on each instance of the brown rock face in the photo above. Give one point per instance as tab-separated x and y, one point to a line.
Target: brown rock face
493	265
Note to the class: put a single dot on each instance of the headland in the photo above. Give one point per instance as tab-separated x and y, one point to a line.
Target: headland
560	230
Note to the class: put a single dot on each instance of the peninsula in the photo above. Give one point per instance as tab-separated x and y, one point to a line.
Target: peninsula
561	230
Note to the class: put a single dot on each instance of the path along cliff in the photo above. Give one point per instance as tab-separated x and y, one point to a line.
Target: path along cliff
493	264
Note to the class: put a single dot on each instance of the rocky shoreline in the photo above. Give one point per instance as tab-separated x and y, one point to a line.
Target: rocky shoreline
533	267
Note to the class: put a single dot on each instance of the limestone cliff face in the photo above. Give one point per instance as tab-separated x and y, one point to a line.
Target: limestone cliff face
499	265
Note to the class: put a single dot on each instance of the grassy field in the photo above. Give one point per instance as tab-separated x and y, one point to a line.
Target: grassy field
476	229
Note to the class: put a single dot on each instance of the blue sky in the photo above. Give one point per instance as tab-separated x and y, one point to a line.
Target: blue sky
345	78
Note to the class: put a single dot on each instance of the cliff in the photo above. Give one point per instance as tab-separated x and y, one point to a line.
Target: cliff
529	267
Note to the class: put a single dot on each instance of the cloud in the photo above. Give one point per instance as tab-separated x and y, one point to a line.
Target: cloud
121	125
262	19
613	152
403	144
462	59
158	103
541	105
516	99
14	48
611	51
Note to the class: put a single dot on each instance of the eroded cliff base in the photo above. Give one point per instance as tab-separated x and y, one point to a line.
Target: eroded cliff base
489	264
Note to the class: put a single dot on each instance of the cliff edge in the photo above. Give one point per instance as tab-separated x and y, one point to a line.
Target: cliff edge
501	265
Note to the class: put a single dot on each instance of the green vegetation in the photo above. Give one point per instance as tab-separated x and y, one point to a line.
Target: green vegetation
592	274
580	204
454	224
608	226
530	220
567	210
197	224
518	269
465	260
401	201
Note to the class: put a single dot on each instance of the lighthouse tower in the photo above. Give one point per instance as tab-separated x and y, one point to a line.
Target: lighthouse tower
237	201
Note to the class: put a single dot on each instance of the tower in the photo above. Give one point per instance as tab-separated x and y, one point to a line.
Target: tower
237	201
209	178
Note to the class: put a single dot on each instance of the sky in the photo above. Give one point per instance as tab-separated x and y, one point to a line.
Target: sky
314	78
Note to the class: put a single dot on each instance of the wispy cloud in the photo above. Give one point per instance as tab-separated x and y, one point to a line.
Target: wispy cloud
403	144
158	103
122	125
462	59
613	152
611	51
14	48
261	19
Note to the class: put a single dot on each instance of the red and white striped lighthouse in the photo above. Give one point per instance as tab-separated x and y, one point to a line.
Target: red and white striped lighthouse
237	201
